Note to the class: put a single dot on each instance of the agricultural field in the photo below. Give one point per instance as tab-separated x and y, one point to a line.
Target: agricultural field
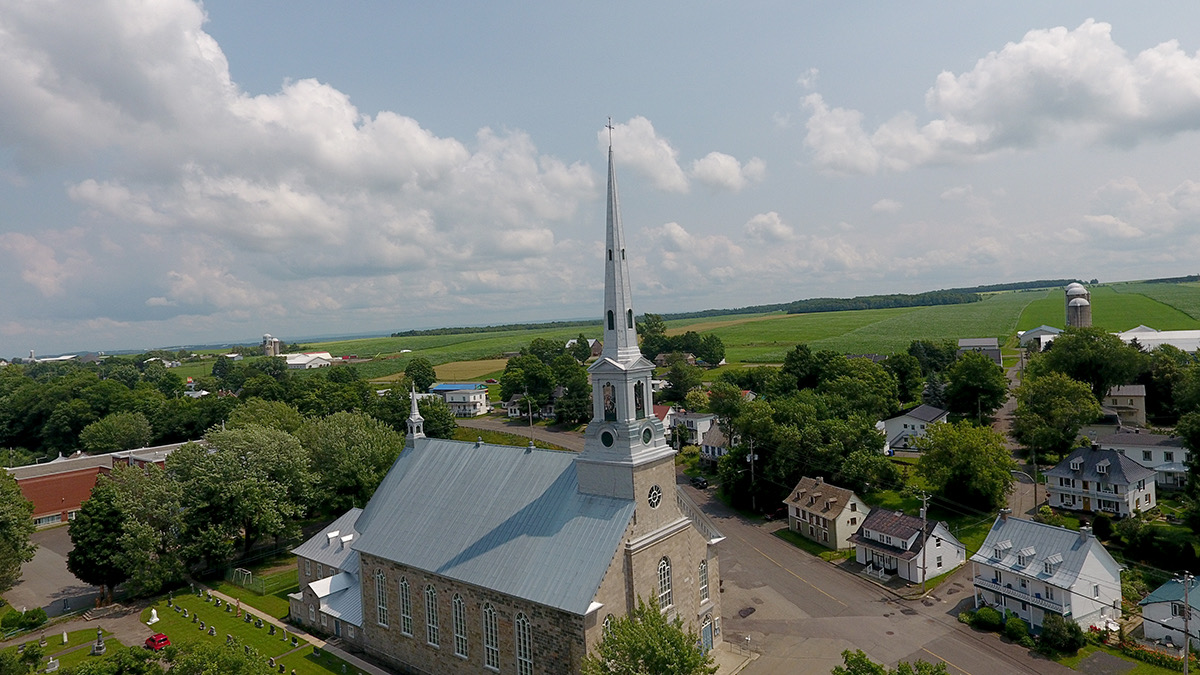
1122	306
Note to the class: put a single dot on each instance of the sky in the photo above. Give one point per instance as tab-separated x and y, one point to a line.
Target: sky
174	172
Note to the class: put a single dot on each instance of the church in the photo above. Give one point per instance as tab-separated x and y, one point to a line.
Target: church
473	557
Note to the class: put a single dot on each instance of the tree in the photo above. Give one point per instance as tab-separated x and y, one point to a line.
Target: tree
118	431
867	388
1051	409
858	663
527	375
245	484
16	525
934	357
575	404
122	661
350	454
208	658
801	366
1061	635
439	420
10	664
711	350
653	331
696	400
420	372
96	540
863	467
646	642
269	414
907	371
681	378
581	350
976	386
1094	356
966	464
545	350
150	547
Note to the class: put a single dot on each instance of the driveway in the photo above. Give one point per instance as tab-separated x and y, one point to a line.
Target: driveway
45	581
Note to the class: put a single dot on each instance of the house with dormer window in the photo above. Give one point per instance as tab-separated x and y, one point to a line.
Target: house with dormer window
1096	479
891	542
825	513
1033	569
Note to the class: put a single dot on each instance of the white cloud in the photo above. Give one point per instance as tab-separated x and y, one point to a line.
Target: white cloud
808	79
1054	84
637	145
887	206
40	263
769	227
716	169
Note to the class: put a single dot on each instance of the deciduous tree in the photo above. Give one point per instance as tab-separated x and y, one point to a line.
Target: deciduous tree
1051	409
858	663
439	419
96	540
1094	356
16	525
681	378
646	642
270	414
350	454
420	372
117	431
976	386
967	464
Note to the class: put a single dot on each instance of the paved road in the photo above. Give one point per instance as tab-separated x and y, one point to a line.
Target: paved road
806	611
45	581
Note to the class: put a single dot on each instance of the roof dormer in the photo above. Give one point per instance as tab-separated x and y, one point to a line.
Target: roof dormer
1102	466
1050	564
1025	556
1002	548
1077	464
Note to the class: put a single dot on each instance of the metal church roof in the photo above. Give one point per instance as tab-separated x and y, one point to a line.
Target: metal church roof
505	518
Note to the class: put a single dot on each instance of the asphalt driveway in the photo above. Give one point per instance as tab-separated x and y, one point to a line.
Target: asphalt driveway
45	581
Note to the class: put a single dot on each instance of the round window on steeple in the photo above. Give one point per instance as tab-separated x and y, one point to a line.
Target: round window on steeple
607	439
647	436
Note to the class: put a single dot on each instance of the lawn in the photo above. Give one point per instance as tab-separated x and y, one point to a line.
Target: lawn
76	638
1139	667
812	547
276	603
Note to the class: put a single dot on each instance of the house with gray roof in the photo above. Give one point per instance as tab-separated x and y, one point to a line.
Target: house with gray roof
893	543
473	557
1037	337
989	347
1095	479
900	431
714	445
329	598
1163	453
1163	611
1127	402
1033	569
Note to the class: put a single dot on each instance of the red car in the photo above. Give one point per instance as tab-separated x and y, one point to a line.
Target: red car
157	641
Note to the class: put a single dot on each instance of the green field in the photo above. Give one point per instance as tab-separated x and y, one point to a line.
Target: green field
1121	307
1183	297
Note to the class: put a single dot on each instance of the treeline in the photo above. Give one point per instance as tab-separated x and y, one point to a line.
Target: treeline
1016	286
928	298
498	329
1174	280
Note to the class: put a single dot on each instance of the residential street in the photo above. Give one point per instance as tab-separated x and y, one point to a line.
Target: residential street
806	611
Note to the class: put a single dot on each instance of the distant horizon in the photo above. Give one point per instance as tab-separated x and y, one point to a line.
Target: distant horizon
337	337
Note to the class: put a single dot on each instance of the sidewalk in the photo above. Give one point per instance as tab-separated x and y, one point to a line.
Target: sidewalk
731	660
360	665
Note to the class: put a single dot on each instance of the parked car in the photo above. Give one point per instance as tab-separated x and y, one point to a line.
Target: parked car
492	380
699	482
157	641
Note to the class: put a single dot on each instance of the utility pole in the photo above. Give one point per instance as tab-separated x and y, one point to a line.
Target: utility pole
753	494
924	539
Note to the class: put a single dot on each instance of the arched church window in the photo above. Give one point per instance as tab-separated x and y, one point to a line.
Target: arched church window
639	399
610	401
664	583
611	325
629	318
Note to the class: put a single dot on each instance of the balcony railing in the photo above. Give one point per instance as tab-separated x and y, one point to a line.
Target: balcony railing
1091	491
1035	599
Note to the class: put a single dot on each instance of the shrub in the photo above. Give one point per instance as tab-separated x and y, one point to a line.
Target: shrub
966	617
10	621
1102	526
33	618
1061	635
1028	642
1016	629
987	618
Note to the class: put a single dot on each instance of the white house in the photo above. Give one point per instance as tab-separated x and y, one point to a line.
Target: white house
890	542
824	513
1128	403
1033	569
697	424
1163	610
1094	479
467	402
714	445
1164	454
900	431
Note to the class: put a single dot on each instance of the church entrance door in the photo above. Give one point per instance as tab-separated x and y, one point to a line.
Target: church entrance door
706	634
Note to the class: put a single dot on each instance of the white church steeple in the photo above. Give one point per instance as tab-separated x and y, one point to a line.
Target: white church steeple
416	423
624	439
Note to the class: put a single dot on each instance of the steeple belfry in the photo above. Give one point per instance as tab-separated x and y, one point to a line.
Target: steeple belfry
625	452
620	334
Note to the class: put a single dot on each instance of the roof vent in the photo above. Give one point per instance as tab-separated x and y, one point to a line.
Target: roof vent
346	540
330	536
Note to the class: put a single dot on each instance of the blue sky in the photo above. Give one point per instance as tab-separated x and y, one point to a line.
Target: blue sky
174	173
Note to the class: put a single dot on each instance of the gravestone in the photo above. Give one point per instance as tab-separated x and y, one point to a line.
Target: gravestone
258	623
170	600
42	640
207	596
271	662
201	625
185	612
217	602
247	648
247	619
228	607
294	642
212	630
271	630
153	617
228	639
51	665
64	637
99	648
281	669
195	618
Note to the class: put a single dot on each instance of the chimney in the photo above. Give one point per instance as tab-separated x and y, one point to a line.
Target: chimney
1085	533
1095	446
1004	513
820	479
